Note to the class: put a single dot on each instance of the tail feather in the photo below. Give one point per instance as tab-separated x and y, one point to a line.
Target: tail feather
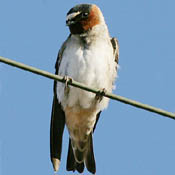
87	157
79	155
90	159
80	167
72	165
83	154
70	159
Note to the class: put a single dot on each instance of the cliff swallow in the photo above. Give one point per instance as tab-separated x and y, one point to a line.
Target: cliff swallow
90	56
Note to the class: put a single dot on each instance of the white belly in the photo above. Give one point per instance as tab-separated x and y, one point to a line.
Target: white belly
93	66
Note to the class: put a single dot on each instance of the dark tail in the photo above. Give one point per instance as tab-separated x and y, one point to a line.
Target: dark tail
87	157
72	165
90	159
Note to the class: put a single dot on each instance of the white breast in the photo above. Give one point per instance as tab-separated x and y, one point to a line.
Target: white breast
93	66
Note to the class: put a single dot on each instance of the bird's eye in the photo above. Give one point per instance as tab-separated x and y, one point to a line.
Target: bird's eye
84	15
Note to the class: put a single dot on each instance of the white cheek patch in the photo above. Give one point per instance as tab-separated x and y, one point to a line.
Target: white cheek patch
72	15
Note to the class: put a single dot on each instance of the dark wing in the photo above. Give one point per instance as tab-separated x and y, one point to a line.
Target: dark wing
115	46
57	120
97	118
60	54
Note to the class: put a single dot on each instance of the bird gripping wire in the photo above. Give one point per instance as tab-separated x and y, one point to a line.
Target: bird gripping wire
84	87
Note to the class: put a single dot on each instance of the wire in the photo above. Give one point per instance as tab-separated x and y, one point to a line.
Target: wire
84	87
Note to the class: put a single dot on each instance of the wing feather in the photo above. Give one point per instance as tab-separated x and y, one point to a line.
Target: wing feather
115	46
57	119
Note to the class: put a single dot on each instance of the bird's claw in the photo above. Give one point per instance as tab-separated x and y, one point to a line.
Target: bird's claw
100	94
67	80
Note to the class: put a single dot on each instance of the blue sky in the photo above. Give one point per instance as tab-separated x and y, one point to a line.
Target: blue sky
127	140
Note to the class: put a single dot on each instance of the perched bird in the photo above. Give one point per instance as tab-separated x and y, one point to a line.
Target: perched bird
90	56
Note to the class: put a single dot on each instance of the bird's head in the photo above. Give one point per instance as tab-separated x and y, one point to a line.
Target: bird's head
83	17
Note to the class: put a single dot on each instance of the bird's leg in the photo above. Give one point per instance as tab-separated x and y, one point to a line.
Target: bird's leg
67	80
100	94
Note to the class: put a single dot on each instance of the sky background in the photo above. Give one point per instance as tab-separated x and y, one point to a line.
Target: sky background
127	140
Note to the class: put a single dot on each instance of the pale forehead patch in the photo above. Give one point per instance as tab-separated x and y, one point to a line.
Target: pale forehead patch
72	15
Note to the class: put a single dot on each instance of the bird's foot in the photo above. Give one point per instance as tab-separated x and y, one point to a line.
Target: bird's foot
100	94
67	80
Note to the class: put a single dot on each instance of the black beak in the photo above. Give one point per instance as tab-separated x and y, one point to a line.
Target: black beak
73	18
70	22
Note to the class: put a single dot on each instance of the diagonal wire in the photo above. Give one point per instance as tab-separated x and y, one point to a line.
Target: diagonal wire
84	87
